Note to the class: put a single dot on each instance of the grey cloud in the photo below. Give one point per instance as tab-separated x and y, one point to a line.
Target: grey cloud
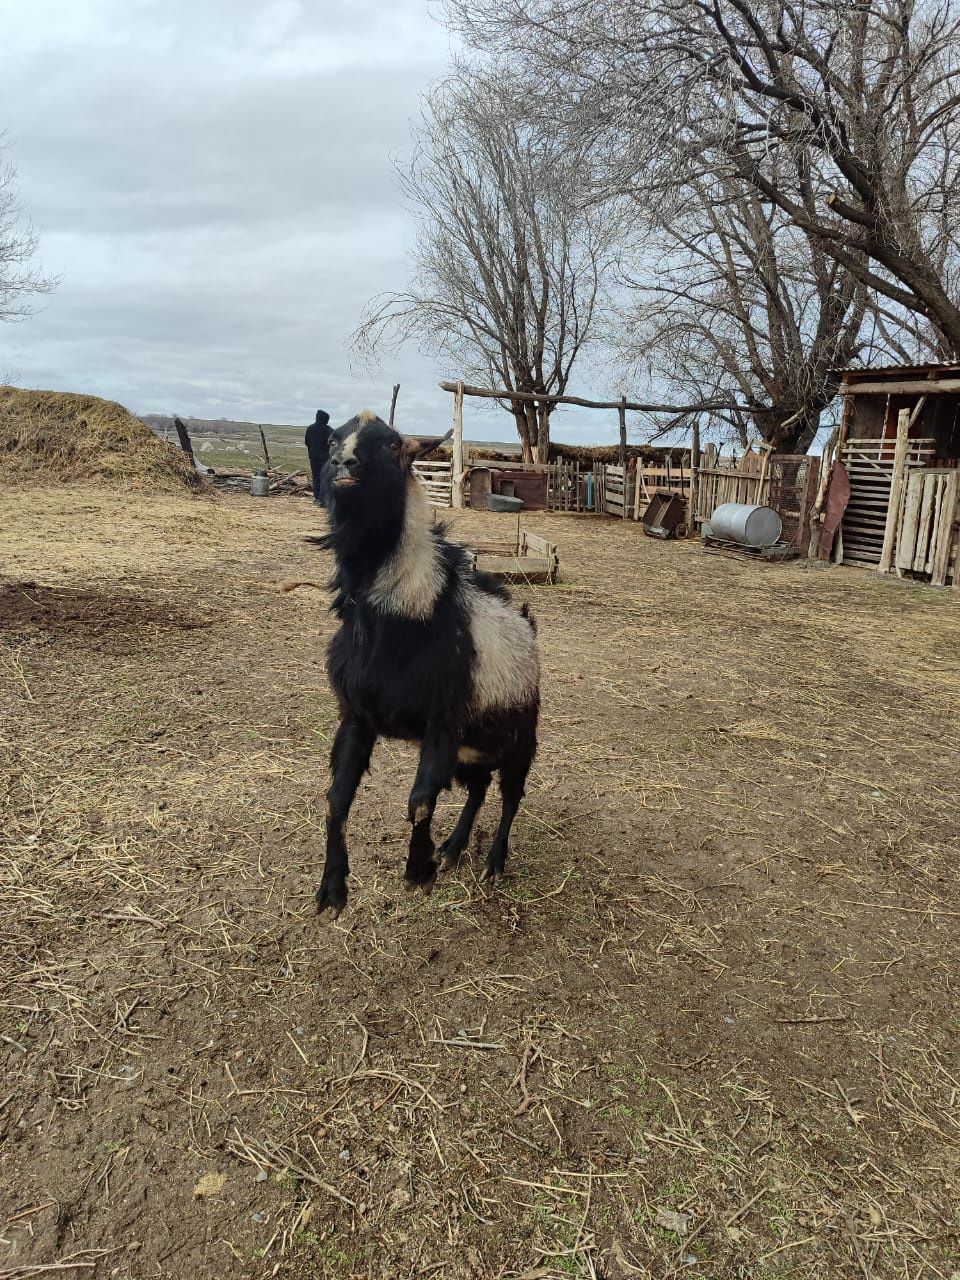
267	149
213	183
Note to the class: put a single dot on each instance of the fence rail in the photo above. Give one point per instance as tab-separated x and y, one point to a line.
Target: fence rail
437	479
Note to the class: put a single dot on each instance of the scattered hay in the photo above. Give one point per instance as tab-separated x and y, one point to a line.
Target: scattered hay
53	437
707	1027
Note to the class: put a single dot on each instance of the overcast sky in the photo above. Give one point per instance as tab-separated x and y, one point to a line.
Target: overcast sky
212	181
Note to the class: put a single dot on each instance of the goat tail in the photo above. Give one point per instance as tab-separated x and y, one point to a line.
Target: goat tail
525	613
291	584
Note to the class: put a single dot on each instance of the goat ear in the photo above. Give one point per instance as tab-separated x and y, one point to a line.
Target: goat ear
415	448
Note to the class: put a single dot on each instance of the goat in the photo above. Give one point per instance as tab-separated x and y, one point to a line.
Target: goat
428	651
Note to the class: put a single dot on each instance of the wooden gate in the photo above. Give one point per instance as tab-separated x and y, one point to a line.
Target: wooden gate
563	486
612	490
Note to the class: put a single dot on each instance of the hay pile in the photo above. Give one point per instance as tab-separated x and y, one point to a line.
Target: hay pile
53	437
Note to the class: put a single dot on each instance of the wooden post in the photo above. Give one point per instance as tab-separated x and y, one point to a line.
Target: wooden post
622	410
694	480
764	464
896	491
184	437
816	513
393	402
266	456
456	493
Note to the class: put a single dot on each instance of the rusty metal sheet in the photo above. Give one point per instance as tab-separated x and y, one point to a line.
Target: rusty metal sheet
838	495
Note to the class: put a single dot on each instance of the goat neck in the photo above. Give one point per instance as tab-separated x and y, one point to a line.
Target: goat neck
387	554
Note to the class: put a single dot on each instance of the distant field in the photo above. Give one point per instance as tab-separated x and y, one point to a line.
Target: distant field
230	445
238	445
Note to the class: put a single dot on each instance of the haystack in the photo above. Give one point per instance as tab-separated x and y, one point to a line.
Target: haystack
54	437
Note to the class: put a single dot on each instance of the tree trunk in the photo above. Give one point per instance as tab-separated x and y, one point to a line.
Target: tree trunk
788	429
543	433
523	430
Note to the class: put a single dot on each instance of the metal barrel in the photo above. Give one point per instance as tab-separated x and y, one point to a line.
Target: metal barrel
749	525
259	485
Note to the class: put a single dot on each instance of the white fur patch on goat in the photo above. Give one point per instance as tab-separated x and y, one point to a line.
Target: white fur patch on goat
409	581
506	669
349	446
365	416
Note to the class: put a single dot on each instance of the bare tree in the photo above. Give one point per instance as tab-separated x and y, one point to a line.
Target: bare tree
863	96
20	279
744	306
510	261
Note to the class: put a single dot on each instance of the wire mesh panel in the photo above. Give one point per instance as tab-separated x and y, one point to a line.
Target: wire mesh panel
791	488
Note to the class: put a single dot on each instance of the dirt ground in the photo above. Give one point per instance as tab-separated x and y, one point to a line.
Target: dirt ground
707	1028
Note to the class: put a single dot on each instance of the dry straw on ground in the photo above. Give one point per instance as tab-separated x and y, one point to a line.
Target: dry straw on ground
707	1029
54	437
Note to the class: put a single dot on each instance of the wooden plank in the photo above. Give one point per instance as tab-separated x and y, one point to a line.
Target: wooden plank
456	482
522	568
906	386
939	485
896	490
931	489
943	538
916	521
537	545
537	397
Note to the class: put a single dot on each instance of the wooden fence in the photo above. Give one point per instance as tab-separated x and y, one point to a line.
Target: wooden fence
437	479
786	482
728	479
565	481
564	488
925	534
665	477
869	464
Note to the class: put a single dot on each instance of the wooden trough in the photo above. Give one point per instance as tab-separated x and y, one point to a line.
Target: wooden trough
526	558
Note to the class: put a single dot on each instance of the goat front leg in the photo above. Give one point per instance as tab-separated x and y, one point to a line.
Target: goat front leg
349	761
438	760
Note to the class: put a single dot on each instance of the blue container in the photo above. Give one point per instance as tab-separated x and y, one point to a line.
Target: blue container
589	490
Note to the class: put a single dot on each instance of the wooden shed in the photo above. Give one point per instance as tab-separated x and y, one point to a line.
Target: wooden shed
899	446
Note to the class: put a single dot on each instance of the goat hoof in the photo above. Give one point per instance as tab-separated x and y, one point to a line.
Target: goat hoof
332	897
448	859
423	878
490	875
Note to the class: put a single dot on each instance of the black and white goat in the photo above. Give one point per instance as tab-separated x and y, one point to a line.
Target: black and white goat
428	651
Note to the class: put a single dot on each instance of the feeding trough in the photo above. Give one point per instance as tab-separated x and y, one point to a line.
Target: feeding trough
526	558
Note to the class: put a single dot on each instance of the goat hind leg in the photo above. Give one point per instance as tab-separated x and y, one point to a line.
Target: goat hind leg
438	758
477	780
349	760
513	777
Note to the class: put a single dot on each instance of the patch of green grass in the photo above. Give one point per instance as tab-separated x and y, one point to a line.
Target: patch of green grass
329	1257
